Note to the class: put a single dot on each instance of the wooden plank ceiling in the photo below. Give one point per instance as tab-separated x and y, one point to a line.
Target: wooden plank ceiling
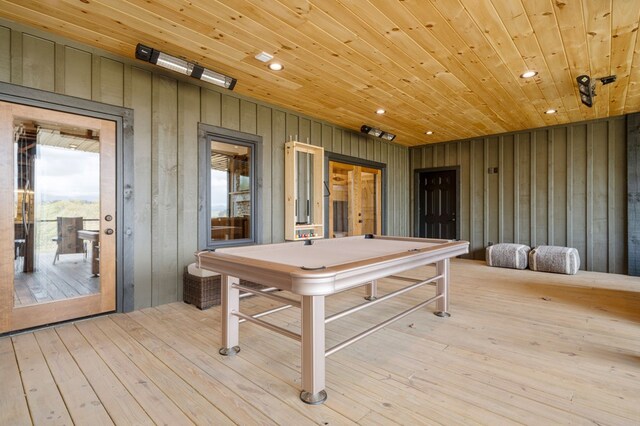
447	66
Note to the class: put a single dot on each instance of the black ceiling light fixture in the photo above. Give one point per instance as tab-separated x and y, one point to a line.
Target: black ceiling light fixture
377	132
587	87
587	90
148	54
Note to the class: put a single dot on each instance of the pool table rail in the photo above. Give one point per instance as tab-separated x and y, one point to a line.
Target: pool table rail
330	279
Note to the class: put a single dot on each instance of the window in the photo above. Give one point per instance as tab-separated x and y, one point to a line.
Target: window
229	196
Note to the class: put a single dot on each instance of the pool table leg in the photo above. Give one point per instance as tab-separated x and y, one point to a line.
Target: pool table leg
230	300
372	290
442	288
313	358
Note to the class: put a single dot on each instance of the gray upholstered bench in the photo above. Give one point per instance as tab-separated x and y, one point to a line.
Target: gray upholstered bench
507	255
561	260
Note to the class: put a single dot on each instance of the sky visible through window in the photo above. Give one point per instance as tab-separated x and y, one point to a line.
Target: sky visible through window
65	183
219	194
65	174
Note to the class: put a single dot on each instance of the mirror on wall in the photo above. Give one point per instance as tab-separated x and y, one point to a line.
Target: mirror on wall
304	206
304	189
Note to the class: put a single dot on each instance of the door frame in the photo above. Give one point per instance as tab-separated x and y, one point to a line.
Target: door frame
416	196
123	118
341	158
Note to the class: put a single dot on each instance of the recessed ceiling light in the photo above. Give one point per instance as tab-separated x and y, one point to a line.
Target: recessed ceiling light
428	132
380	111
264	57
73	146
529	74
275	66
551	111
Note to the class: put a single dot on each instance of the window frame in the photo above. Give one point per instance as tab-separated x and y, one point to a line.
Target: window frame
206	134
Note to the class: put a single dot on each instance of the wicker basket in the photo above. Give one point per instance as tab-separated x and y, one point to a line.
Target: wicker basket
204	292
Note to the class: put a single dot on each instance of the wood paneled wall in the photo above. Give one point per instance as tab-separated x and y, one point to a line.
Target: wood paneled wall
633	197
166	112
563	185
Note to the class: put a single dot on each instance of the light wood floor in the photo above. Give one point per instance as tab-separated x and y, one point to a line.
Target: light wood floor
520	347
69	277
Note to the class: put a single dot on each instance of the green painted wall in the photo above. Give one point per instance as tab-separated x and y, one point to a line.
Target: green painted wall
563	185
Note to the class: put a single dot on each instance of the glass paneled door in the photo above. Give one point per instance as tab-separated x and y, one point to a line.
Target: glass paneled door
57	216
355	204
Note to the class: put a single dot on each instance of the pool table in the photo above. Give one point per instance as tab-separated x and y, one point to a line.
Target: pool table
315	269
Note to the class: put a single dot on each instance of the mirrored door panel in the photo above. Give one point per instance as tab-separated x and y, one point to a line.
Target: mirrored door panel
58	190
370	204
355	205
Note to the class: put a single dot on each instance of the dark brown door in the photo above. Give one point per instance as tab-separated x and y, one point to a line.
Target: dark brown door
437	204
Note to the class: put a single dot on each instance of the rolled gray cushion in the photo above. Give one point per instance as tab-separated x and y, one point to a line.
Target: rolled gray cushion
561	260
507	255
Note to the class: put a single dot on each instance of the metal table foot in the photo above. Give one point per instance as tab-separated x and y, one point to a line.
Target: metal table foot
313	398
442	314
229	351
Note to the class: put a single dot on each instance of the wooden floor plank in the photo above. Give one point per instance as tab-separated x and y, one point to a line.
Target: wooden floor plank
13	402
348	405
23	295
406	407
70	277
76	276
209	362
521	347
122	407
242	363
374	418
555	350
549	361
281	358
45	403
156	404
284	410
216	392
31	289
612	403
82	402
190	401
429	378
584	409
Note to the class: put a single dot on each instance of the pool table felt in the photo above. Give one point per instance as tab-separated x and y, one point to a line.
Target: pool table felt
331	252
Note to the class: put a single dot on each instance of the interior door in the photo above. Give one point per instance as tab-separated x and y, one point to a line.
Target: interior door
355	205
57	216
437	203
